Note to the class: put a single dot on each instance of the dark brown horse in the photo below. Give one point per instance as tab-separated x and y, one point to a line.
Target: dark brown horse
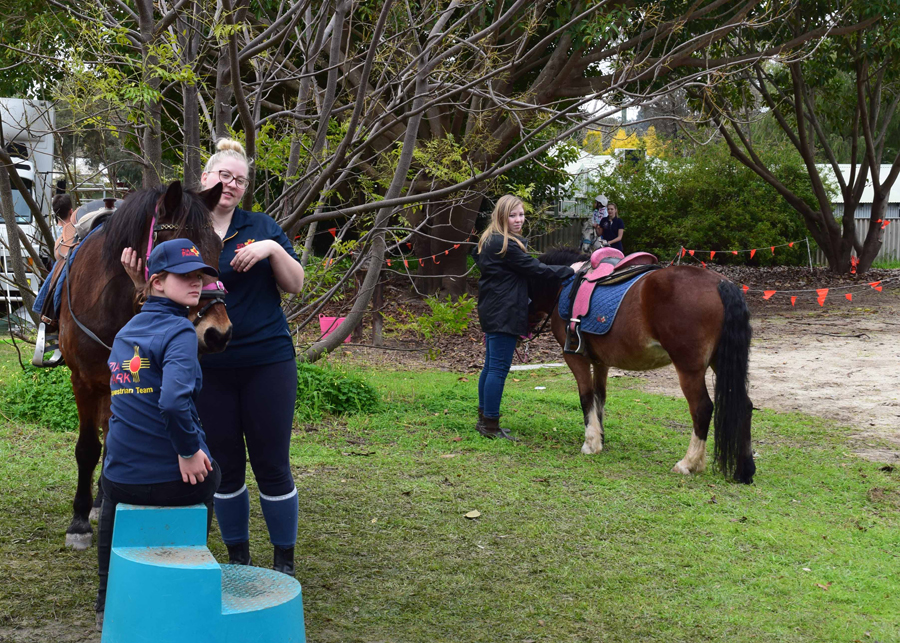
681	315
101	298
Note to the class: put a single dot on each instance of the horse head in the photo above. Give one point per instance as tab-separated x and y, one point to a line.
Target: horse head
150	217
544	293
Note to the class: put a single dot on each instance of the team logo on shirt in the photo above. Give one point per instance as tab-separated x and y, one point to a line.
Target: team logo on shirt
246	243
190	252
135	364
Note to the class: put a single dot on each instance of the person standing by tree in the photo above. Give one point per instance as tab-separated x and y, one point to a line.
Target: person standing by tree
503	303
613	228
62	208
250	389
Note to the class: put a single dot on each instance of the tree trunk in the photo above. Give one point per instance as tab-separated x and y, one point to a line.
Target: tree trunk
224	93
450	227
190	45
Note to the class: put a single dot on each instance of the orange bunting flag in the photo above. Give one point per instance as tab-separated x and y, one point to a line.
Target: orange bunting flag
876	285
409	245
745	287
683	251
823	293
333	231
877	220
752	252
406	263
434	259
389	262
773	249
849	296
767	294
885	224
712	253
791	244
734	252
691	252
793	300
703	263
455	246
446	252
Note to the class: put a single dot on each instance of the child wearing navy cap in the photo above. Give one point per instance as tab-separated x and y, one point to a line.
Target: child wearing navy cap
156	451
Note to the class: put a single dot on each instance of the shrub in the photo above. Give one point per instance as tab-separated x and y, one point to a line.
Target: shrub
707	200
326	390
41	396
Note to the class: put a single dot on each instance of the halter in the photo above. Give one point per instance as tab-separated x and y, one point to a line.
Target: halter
215	292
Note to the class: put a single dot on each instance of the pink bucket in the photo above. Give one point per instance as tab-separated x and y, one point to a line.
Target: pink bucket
330	324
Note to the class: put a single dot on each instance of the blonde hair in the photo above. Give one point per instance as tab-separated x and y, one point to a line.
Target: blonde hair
500	223
227	148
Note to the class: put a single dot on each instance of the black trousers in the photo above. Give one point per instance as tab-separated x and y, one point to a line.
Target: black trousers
252	405
164	494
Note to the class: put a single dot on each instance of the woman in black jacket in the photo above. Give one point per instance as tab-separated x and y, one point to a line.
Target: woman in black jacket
503	303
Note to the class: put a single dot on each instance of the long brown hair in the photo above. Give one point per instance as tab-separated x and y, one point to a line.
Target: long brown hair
500	223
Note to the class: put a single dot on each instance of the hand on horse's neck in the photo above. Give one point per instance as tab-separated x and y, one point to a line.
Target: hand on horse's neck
221	221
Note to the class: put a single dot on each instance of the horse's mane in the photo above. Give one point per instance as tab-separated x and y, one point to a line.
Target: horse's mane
562	257
127	226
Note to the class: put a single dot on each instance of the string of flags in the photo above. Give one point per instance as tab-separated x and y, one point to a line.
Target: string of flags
821	293
752	251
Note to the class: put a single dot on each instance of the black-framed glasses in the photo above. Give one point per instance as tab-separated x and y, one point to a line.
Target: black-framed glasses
225	177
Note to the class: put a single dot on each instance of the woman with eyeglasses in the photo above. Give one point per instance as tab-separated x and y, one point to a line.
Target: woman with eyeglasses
249	390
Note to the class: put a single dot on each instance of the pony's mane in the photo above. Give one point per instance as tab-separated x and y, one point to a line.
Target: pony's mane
562	257
127	226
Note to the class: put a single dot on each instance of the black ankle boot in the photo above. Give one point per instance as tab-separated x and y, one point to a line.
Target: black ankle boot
284	560
490	428
239	554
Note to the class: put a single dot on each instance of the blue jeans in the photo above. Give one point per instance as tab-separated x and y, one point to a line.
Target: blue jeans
498	355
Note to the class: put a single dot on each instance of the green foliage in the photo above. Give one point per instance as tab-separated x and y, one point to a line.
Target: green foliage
41	396
447	317
328	390
708	200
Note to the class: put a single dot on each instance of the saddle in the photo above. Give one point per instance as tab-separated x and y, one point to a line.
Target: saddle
607	267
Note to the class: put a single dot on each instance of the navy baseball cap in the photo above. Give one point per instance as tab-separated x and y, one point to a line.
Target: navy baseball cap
180	256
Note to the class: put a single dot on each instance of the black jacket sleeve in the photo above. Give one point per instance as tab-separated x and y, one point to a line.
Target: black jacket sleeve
524	264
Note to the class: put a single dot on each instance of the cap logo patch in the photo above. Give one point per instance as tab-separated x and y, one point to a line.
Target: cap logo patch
190	252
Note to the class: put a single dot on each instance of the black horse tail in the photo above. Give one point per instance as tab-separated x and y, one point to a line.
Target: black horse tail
733	408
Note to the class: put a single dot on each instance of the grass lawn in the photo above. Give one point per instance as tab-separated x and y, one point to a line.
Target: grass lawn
568	547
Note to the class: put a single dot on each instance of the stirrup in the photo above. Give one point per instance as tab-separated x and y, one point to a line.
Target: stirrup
579	349
41	347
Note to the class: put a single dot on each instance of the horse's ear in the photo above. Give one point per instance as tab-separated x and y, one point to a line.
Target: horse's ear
211	196
172	200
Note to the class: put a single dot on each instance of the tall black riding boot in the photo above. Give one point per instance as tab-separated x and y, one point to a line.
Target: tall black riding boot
239	554
284	560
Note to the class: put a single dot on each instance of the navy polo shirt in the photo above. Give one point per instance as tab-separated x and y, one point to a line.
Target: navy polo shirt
260	335
155	379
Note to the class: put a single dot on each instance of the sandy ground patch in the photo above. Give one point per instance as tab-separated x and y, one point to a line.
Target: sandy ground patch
839	363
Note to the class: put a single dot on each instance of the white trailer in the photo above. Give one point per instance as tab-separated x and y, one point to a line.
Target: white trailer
27	134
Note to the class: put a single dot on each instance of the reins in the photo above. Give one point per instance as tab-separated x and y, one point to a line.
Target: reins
543	326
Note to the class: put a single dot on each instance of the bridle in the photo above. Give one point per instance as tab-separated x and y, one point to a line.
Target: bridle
214	292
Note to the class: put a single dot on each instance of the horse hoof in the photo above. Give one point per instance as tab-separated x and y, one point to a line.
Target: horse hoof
94	516
79	542
682	469
589	450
